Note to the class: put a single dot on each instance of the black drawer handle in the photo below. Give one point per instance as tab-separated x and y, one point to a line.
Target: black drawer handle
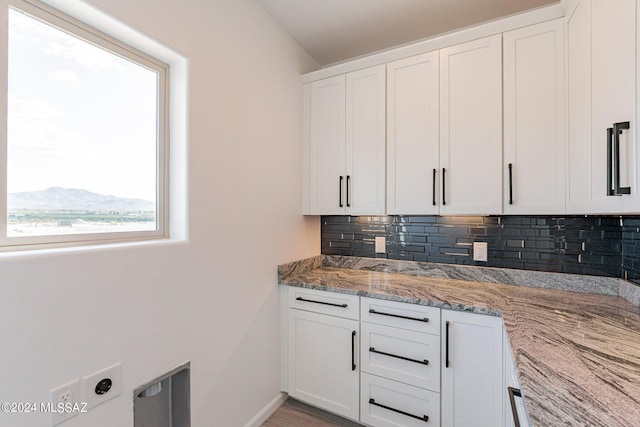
353	350
417	319
510	183
422	362
424	418
610	190
434	188
514	410
321	302
446	348
617	130
444	187
340	192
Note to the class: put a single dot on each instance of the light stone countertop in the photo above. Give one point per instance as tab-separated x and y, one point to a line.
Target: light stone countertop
577	354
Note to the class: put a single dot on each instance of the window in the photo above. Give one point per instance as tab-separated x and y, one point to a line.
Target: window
86	136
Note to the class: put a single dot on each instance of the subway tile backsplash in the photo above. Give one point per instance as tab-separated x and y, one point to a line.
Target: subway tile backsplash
594	245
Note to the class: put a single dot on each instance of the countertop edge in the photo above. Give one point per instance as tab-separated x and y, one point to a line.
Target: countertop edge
600	285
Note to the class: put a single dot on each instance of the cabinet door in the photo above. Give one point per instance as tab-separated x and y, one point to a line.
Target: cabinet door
471	127
365	142
601	37
511	380
472	383
323	359
413	135
534	120
324	147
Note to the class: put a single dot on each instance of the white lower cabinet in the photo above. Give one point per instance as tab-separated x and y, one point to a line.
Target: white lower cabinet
386	363
406	356
388	403
400	364
323	354
514	406
472	381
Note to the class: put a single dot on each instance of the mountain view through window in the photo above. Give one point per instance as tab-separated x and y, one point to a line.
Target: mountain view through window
82	135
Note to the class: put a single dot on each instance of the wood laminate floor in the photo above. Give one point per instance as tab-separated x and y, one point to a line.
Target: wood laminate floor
293	413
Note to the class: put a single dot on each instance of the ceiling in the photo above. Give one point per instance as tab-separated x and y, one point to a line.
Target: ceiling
336	30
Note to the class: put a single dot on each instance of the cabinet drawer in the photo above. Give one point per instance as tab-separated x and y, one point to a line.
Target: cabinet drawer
407	356
334	304
401	315
387	403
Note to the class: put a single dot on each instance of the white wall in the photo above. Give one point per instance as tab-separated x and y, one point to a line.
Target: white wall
212	300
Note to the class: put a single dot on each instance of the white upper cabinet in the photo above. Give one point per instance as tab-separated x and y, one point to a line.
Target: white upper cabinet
324	146
471	128
365	142
432	133
534	119
602	70
413	135
344	144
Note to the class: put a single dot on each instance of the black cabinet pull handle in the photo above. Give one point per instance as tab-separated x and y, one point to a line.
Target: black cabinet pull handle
444	200
434	187
422	362
321	302
348	199
510	183
514	410
446	345
424	418
353	350
610	190
617	131
340	192
424	319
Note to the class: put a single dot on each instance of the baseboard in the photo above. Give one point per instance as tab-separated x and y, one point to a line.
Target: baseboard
267	411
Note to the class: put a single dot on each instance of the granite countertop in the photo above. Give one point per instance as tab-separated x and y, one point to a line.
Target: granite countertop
577	353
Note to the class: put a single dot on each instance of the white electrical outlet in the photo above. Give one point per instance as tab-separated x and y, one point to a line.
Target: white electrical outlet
65	400
480	251
381	245
102	385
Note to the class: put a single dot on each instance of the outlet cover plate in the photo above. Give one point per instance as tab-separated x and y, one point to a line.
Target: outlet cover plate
381	245
113	373
480	251
68	393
